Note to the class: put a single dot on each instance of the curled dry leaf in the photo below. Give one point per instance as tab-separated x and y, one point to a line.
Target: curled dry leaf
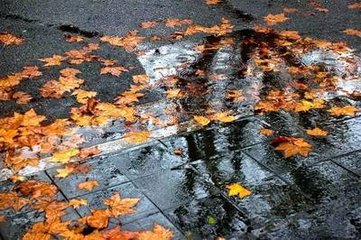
317	132
22	97
88	185
291	146
98	218
236	189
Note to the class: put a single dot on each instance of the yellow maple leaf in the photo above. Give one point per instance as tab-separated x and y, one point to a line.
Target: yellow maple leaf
204	121
64	156
158	232
77	203
342	111
174	93
137	137
64	172
54	60
236	189
82	96
223	117
88	185
316	132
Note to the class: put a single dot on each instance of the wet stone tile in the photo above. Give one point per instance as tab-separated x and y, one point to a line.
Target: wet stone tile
209	218
326	182
105	172
172	188
352	162
126	190
148	222
236	167
218	141
146	161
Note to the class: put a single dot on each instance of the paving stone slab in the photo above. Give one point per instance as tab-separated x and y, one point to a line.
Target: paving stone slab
209	218
171	188
146	161
351	162
217	141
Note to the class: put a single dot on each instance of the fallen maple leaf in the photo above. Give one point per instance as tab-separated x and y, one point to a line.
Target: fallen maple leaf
223	117
115	71
274	19
266	131
158	232
292	146
12	200
213	2
36	189
64	172
236	189
148	24
352	32
91	151
290	10
342	111
137	137
88	185
55	60
82	96
174	22
2	218
316	132
354	6
74	38
22	97
178	151
64	156
204	121
174	93
120	206
235	95
77	203
10	39
98	218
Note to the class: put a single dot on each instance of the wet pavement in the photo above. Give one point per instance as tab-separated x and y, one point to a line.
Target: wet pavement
226	66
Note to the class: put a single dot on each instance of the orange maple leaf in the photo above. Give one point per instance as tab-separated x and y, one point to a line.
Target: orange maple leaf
120	206
77	203
271	19
292	146
354	6
54	60
87	152
37	188
342	111
88	185
158	232
204	121
352	32
98	218
148	24
213	2
174	22
22	97
266	131
10	39
115	71
74	38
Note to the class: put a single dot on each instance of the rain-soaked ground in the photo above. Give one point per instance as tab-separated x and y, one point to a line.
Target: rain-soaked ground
203	96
